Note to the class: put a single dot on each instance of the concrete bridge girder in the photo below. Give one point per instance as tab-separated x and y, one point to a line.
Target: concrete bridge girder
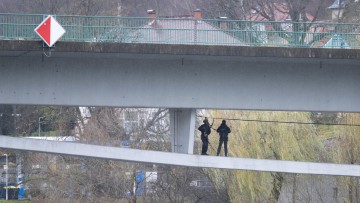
179	159
180	76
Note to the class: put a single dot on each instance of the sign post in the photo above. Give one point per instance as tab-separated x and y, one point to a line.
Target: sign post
50	30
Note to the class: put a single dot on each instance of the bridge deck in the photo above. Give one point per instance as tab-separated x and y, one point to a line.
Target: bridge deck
156	157
179	76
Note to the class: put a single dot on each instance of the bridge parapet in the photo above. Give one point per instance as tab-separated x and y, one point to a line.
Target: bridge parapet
187	31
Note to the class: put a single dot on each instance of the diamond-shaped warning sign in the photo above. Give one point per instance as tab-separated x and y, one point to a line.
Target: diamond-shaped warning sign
50	30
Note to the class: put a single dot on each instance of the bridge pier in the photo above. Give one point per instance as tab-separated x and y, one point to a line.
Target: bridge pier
182	127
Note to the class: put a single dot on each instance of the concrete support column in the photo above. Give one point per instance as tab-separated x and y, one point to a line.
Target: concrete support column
182	127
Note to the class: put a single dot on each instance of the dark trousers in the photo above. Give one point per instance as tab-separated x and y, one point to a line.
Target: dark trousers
205	145
220	145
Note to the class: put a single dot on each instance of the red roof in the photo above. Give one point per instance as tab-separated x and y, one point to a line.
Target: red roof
279	12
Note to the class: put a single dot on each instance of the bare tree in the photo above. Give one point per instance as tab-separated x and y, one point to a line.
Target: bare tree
351	11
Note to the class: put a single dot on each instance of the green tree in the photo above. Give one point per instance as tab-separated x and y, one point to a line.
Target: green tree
346	149
264	140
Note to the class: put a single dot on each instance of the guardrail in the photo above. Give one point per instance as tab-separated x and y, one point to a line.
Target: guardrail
187	31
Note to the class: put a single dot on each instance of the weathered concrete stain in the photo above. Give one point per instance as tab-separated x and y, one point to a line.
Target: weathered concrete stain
208	50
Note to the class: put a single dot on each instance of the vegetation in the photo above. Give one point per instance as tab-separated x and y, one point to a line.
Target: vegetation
346	150
233	9
265	140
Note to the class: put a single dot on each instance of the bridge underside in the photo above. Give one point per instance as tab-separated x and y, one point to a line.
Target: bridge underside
180	76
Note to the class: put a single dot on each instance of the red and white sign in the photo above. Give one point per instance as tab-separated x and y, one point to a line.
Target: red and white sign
50	30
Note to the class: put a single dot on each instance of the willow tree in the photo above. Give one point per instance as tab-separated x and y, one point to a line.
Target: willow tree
251	137
346	150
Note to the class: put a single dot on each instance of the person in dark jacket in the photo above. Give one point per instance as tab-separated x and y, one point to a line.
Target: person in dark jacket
205	130
223	131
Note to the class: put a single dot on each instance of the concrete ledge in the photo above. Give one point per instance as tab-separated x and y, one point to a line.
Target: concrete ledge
156	157
205	50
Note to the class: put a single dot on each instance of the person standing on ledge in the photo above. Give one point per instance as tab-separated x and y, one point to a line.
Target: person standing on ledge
223	131
205	130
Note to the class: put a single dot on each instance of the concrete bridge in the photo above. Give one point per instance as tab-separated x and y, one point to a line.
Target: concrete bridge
182	78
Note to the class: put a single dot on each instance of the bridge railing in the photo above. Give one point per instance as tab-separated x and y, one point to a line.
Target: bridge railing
187	31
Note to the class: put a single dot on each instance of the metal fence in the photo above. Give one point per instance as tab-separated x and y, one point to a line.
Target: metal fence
187	31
